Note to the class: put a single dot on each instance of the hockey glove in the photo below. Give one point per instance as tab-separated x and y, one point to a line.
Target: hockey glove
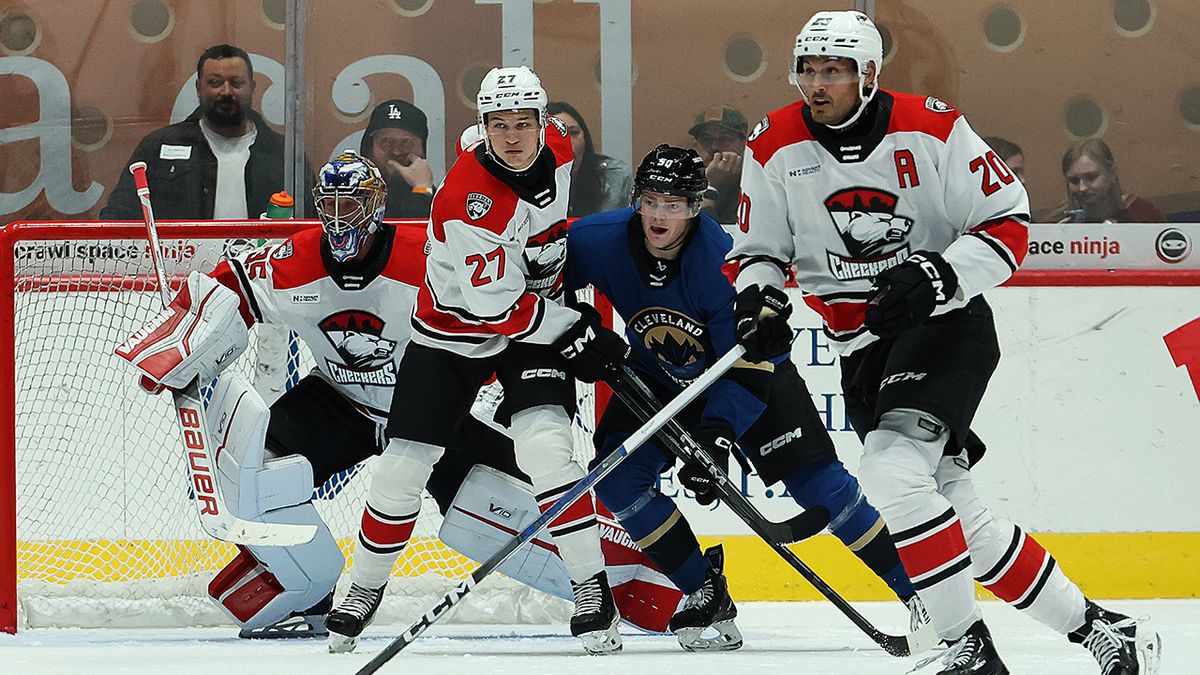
592	351
716	438
760	317
905	296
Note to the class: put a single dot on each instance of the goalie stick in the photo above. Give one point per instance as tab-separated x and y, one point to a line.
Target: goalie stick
631	390
199	446
580	488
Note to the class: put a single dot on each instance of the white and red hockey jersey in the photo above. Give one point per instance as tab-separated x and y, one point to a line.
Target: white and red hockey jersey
496	254
842	208
356	320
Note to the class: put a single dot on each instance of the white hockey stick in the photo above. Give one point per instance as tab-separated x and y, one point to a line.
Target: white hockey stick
198	445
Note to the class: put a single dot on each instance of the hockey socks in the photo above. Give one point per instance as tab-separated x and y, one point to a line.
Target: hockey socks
381	539
852	520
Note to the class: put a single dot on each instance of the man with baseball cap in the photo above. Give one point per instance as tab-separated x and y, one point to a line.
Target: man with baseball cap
720	133
395	140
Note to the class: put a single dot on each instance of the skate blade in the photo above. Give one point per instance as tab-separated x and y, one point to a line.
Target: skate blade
1149	650
722	636
341	644
293	627
600	642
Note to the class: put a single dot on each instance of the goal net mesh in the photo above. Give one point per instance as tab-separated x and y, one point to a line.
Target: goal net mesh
107	533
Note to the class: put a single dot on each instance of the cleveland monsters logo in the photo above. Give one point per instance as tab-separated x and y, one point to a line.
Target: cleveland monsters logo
367	357
873	234
678	341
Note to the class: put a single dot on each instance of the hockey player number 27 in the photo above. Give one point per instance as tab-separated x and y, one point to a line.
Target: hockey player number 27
482	274
989	163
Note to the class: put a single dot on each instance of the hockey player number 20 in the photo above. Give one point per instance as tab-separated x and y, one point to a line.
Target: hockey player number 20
989	163
485	272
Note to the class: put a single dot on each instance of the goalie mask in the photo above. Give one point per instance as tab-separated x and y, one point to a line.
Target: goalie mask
668	170
350	195
843	35
506	89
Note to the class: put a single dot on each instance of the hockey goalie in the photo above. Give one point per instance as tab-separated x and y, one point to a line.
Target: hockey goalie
347	289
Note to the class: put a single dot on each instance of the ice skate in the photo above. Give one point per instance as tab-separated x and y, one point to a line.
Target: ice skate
595	619
347	621
308	623
1121	645
705	623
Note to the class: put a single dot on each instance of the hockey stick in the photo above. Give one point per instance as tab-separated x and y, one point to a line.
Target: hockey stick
634	393
578	490
642	401
197	442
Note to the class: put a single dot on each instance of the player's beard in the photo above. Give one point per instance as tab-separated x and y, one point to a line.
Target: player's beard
224	111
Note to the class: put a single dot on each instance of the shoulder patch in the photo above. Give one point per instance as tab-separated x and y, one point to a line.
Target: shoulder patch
937	105
478	204
284	251
762	126
558	124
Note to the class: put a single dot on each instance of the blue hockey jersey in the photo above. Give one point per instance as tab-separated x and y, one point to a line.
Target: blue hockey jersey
678	314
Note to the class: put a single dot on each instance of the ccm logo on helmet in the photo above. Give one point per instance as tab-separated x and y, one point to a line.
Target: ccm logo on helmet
781	441
541	373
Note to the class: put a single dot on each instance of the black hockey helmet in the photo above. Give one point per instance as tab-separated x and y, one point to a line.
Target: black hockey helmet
672	171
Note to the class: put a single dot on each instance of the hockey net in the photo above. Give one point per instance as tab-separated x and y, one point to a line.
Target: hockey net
98	528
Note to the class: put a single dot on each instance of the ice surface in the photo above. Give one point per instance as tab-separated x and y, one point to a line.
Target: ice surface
809	638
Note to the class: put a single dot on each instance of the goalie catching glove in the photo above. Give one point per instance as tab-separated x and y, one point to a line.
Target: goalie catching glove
716	438
906	295
760	319
592	351
198	335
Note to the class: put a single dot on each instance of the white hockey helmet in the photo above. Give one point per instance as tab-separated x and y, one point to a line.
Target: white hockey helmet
512	88
844	35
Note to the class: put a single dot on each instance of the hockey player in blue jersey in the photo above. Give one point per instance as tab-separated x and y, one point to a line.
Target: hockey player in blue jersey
660	264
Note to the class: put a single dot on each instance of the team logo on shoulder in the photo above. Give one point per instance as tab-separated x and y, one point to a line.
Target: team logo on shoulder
558	124
762	126
478	204
284	251
366	355
679	342
937	105
874	235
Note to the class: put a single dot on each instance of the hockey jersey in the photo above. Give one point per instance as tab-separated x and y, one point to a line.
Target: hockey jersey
496	253
842	207
355	318
678	314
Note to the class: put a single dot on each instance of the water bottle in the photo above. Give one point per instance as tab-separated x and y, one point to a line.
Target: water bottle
280	207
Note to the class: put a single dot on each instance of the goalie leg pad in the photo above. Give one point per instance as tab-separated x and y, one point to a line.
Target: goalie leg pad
197	335
491	507
265	585
543	443
852	519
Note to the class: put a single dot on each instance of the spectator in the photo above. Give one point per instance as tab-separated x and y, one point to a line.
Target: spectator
222	162
720	133
1094	189
1011	154
598	182
395	140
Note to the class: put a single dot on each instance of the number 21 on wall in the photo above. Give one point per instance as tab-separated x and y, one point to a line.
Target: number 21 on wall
485	272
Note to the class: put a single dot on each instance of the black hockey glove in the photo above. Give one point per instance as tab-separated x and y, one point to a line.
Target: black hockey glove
905	295
592	351
760	319
716	438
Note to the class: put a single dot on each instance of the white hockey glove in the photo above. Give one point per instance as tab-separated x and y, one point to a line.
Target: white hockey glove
199	334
